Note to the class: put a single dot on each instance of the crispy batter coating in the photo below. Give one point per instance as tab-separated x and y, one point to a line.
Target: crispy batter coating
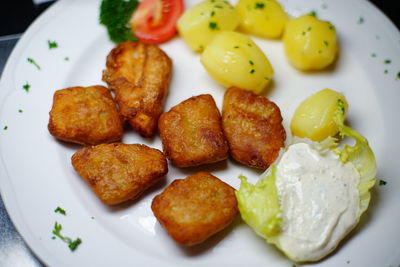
191	132
139	74
195	208
119	172
85	115
253	127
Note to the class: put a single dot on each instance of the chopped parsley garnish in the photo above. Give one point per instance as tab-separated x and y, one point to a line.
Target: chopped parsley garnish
20	110
213	26
266	78
252	71
373	55
212	13
386	72
326	43
249	44
26	87
5	127
382	182
52	44
60	210
212	1
308	30
387	61
66	58
218	6
259	6
236	47
33	62
361	20
398	76
313	13
72	244
115	15
251	62
331	27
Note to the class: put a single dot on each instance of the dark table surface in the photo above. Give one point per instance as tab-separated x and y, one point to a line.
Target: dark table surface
14	20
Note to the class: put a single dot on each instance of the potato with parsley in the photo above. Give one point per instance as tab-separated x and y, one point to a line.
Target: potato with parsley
310	43
199	24
264	18
313	118
233	59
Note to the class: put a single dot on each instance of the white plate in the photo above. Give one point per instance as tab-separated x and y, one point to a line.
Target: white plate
36	174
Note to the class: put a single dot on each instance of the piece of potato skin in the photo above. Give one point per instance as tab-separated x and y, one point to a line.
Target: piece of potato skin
194	208
313	118
233	59
264	18
253	127
199	24
85	115
310	43
191	132
139	74
119	172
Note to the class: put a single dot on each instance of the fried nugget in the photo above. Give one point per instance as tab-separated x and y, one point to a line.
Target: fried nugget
195	208
253	127
85	115
191	132
119	172
139	74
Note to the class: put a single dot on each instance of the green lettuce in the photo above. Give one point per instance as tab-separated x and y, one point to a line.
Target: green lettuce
360	155
259	204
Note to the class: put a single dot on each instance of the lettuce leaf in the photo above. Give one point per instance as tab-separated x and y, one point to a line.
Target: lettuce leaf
259	204
360	155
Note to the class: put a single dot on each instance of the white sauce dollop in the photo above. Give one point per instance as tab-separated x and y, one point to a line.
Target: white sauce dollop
319	201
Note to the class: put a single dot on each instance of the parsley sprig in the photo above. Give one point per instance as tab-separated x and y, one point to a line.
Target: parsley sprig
72	244
115	15
60	210
33	62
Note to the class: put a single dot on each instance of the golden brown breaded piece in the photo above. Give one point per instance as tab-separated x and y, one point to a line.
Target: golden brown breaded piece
119	172
253	127
85	115
139	74
195	208
191	132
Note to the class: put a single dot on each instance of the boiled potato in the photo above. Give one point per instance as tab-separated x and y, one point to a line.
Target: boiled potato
313	118
310	43
264	18
199	24
233	59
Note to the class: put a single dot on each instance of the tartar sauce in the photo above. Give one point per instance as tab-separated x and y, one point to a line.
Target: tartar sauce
319	201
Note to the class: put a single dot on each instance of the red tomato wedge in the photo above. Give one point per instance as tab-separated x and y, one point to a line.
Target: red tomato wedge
154	21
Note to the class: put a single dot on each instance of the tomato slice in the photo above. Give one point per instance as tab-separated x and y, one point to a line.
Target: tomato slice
154	21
